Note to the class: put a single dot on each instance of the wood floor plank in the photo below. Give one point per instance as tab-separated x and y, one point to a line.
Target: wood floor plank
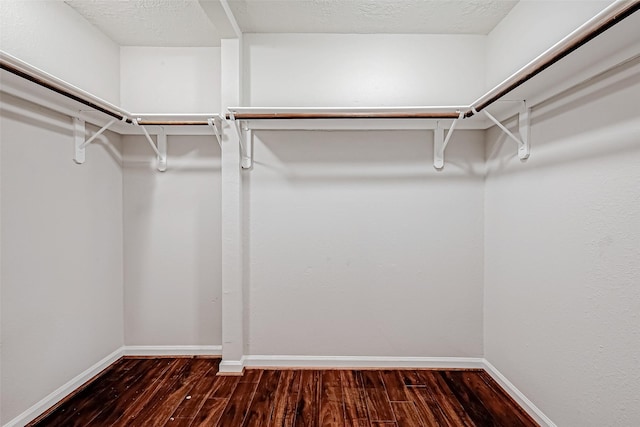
331	401
395	386
308	397
114	409
101	388
165	402
472	405
331	378
250	376
239	404
286	400
223	386
97	404
259	414
411	378
355	405
443	397
143	393
210	412
377	399
425	407
497	401
200	392
407	415
179	422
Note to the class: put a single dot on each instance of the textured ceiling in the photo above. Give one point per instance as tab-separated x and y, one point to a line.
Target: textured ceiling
370	16
185	23
150	22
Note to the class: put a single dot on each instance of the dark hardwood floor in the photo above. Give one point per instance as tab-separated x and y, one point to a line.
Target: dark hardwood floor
186	392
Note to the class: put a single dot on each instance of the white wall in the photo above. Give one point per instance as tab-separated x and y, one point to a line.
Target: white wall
172	243
562	248
529	29
61	254
356	70
55	38
357	246
170	79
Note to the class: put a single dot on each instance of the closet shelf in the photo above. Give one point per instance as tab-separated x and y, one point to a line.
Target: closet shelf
25	81
329	113
344	118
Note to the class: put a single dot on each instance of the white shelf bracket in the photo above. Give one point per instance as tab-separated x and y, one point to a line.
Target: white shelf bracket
245	134
524	130
438	147
81	144
247	148
78	135
440	142
160	150
215	126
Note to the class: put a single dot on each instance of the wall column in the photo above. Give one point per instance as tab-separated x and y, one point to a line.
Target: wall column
232	252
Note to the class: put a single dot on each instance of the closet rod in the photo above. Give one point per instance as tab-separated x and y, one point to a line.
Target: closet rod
40	82
173	123
354	115
610	16
119	115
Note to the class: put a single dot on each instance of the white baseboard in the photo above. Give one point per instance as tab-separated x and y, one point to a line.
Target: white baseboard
172	350
232	367
355	362
56	396
518	396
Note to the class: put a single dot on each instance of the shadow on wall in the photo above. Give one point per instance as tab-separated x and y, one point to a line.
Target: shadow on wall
185	154
366	156
603	127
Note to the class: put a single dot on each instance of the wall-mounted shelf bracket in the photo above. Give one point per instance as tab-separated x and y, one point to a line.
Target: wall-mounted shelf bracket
247	148
215	126
161	149
524	129
440	142
245	134
79	133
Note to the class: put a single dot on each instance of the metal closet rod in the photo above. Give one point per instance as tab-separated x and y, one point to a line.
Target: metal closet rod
345	115
127	118
612	15
606	19
41	82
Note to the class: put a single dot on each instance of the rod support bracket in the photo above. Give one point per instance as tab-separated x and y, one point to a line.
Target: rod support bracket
440	142
246	147
524	129
215	125
160	149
